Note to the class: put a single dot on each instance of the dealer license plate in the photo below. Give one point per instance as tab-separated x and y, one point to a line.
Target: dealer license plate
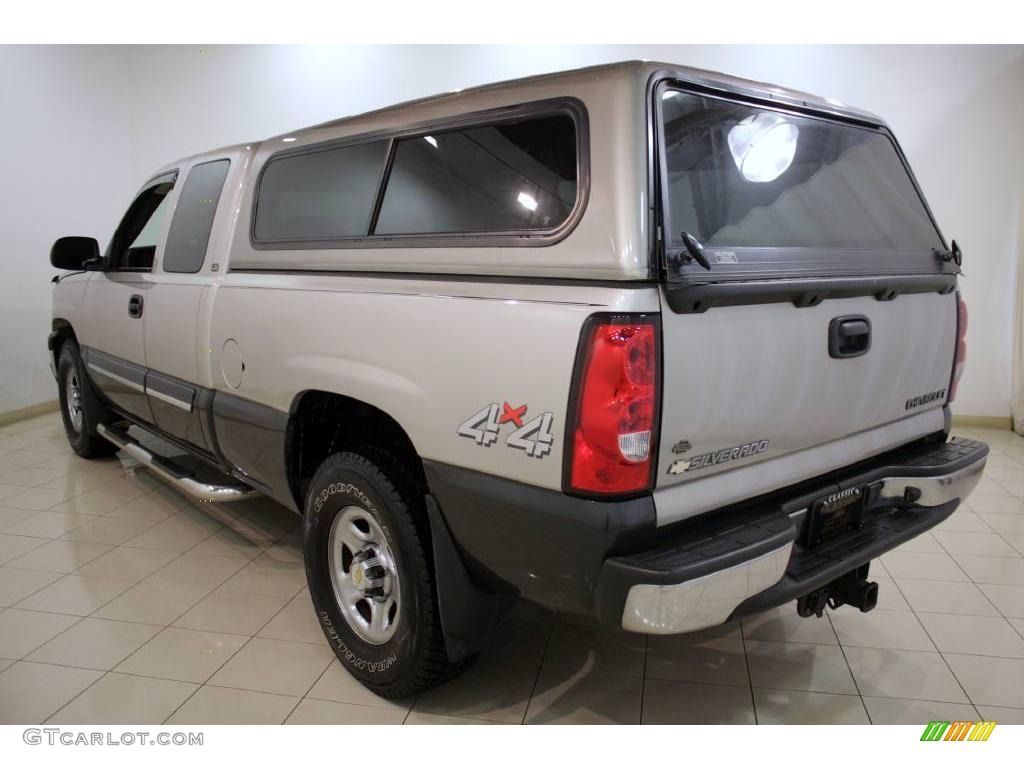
834	515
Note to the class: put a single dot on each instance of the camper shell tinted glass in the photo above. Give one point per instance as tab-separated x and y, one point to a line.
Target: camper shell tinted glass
319	195
513	176
771	192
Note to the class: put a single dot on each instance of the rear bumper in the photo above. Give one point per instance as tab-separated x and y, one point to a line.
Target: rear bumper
753	560
610	559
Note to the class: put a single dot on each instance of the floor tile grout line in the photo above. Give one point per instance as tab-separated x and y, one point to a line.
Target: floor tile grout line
1019	630
112	480
208	677
26	597
941	654
55	712
84	616
849	669
103	672
973	582
643	678
540	666
750	674
734	686
24	656
303	697
157	634
244	645
59	476
170	624
7	563
81	693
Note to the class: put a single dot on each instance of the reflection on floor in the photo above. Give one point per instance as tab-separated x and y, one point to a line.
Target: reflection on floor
122	602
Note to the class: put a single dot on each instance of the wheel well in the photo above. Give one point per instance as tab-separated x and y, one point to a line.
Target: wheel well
64	332
323	423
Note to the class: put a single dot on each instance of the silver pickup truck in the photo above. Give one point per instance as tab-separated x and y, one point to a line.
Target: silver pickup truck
649	344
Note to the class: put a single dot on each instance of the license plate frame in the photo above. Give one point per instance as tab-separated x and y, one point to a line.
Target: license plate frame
834	515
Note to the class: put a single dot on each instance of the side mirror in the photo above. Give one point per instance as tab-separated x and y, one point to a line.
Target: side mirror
75	253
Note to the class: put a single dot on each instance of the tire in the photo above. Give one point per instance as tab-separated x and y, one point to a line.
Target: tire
79	408
354	505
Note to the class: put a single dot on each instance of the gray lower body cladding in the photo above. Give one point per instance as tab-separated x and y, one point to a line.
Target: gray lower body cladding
236	435
586	556
541	544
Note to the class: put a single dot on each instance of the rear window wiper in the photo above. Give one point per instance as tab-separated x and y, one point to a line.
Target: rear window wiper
954	254
692	250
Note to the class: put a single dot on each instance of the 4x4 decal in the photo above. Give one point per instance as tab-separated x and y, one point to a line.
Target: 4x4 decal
482	427
535	437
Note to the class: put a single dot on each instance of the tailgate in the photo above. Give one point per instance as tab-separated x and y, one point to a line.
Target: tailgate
809	300
748	383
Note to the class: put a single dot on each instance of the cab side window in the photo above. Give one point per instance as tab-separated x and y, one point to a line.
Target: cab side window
193	217
134	243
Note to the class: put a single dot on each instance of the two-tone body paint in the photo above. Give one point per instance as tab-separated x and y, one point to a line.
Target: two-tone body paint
430	335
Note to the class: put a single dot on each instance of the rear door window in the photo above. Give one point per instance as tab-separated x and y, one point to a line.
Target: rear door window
788	187
327	194
193	217
511	177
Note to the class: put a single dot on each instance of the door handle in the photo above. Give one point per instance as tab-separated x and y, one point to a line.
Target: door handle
849	328
849	336
135	305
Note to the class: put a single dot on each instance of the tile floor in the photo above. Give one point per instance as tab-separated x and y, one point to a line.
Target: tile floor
122	602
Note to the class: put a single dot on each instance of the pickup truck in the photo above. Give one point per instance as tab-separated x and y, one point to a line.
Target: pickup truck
638	342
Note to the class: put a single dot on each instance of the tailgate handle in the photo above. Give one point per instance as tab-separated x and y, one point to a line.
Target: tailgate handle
849	336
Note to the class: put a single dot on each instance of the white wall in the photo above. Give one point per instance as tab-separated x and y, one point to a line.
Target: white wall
958	111
65	135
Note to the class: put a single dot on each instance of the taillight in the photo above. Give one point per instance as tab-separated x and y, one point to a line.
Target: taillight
613	419
961	346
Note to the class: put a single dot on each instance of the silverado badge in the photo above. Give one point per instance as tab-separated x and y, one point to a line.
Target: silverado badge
718	457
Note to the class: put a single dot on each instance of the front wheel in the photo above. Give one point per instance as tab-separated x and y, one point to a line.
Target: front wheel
366	547
79	408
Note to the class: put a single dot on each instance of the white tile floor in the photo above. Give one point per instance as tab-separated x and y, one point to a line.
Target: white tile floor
122	602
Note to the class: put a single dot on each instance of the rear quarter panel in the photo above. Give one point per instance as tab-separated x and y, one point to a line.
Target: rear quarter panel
430	353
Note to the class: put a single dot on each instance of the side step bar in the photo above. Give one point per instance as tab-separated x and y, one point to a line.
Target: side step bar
180	478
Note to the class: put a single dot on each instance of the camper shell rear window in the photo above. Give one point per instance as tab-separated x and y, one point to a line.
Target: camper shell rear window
771	192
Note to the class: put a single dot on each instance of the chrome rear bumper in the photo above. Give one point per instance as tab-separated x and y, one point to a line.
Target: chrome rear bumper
665	609
935	491
916	493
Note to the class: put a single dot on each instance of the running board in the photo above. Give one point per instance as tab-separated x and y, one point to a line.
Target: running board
182	479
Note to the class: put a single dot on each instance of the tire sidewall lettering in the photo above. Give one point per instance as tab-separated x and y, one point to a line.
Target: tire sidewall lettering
361	498
350	656
325	506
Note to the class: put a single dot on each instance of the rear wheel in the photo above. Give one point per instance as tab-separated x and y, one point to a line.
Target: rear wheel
79	409
366	545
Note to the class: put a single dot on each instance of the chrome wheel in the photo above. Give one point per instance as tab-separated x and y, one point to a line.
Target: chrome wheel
73	398
364	575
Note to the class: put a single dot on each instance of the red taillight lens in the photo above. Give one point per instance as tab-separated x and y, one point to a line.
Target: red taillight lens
961	346
616	408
